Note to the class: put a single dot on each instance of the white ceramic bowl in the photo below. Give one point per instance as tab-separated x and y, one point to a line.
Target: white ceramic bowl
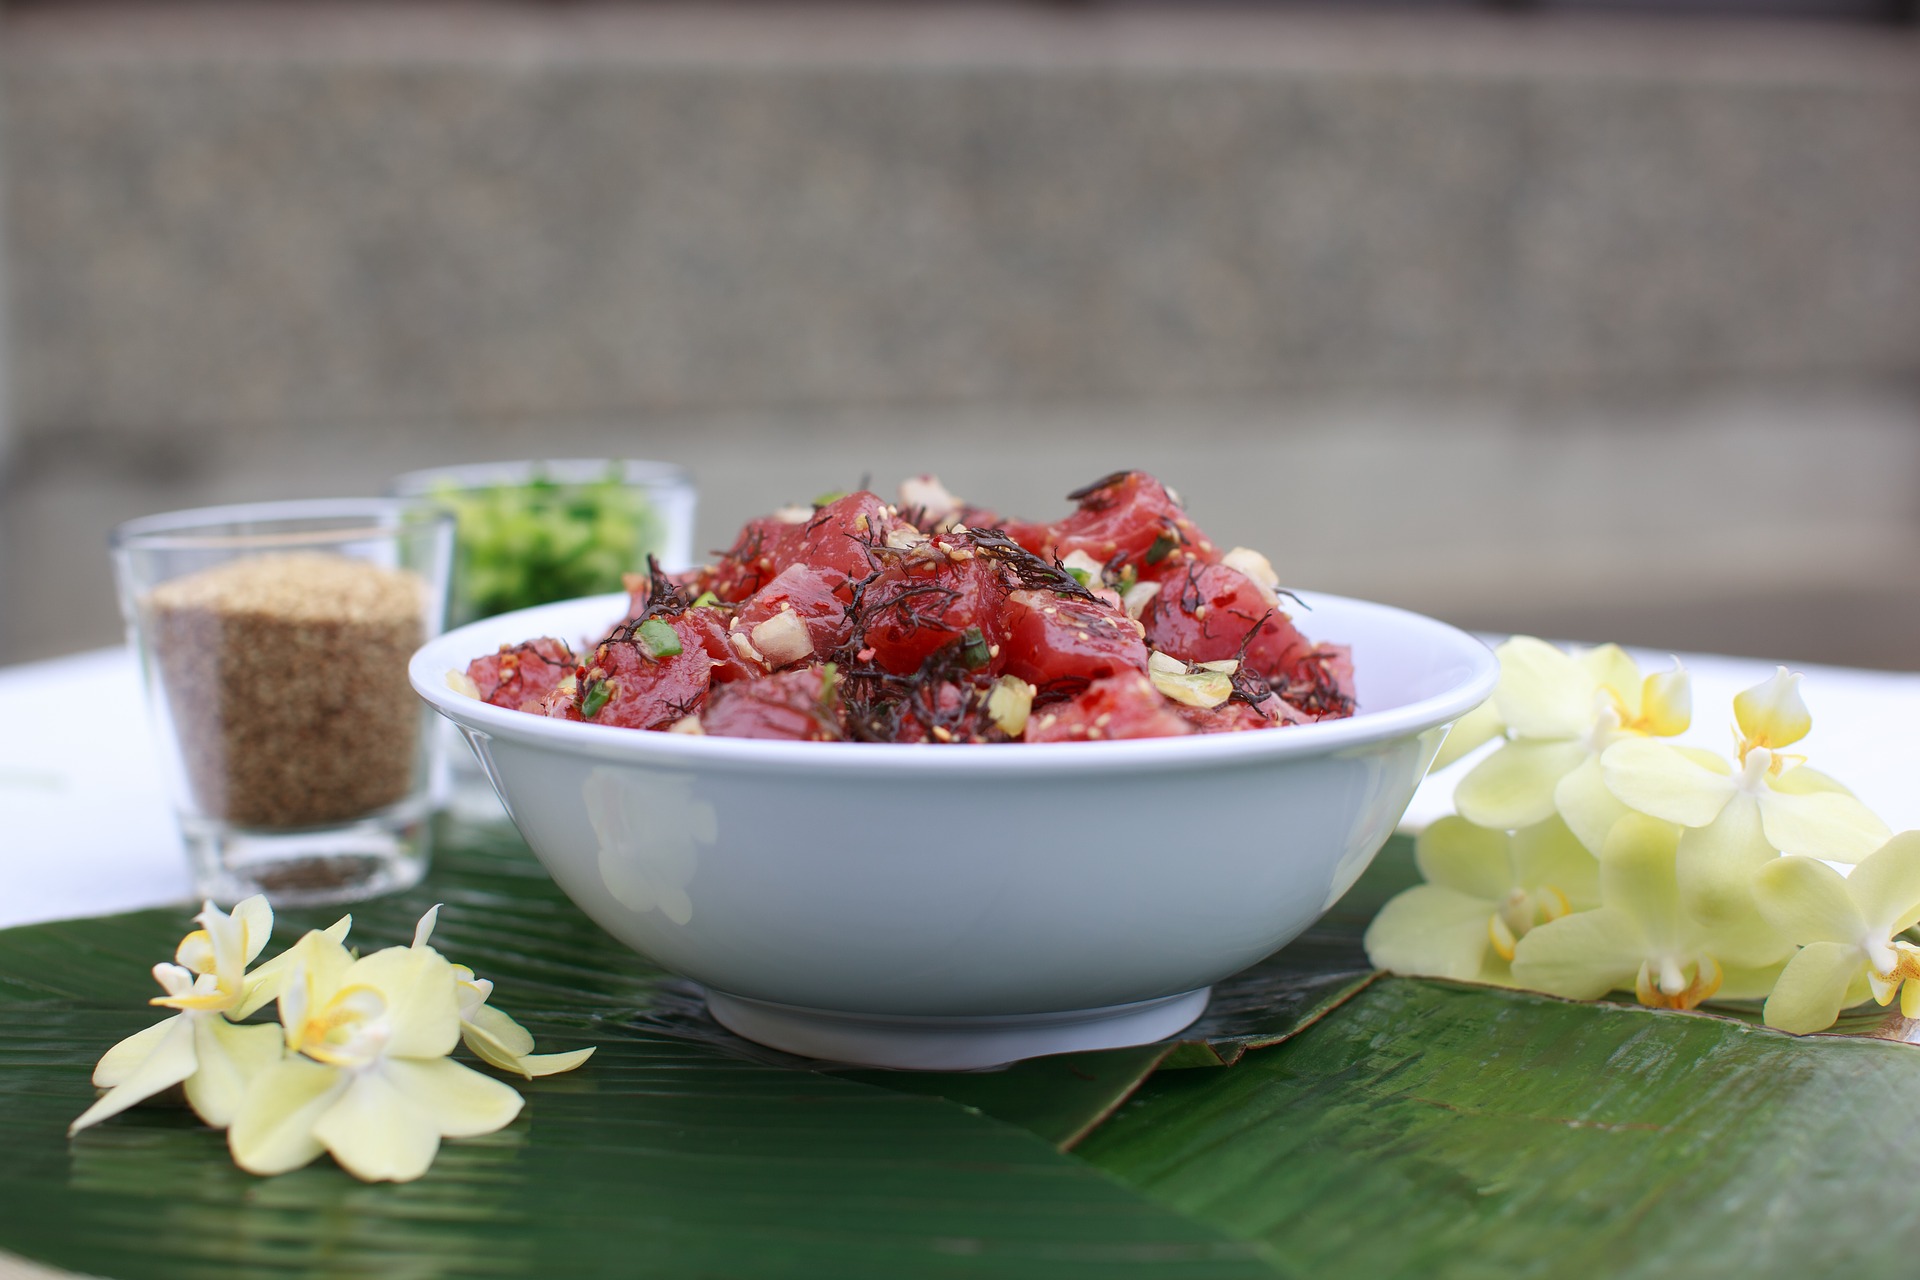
964	906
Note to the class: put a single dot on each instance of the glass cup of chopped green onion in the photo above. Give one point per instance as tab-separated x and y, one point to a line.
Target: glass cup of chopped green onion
533	532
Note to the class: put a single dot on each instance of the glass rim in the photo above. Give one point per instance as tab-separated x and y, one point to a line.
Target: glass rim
249	524
473	475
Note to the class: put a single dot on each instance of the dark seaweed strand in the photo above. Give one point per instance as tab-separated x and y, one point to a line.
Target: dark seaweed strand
1104	482
1318	694
1026	568
877	702
664	600
1250	686
1191	597
527	647
746	548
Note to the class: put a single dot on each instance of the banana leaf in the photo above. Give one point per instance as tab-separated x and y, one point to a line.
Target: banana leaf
672	1153
1425	1129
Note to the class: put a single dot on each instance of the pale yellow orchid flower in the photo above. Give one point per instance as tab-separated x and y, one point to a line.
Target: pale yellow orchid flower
1485	890
198	1047
1561	711
1848	929
368	1078
262	987
1640	939
494	1037
1739	819
1479	726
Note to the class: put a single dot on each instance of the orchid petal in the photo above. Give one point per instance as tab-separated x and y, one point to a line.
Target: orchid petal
196	952
171	1061
1739	982
1886	884
503	1031
1802	781
1548	854
1586	806
552	1064
422	1003
1543	693
1582	956
1471	860
1613	670
424	930
1808	901
1666	702
1637	875
376	1132
491	1051
1661	782
1772	713
230	1057
1717	863
255	915
272	1132
1432	931
1813	988
119	1062
262	986
1514	786
1480	725
458	1101
1821	824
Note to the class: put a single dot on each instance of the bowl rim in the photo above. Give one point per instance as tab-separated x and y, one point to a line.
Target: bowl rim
429	668
430	664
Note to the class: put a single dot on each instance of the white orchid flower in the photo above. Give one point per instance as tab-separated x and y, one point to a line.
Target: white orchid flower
1640	939
494	1037
1848	928
1739	819
1561	711
1485	890
368	1078
198	1047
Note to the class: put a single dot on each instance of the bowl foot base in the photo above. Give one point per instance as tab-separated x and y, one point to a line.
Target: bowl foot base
951	1044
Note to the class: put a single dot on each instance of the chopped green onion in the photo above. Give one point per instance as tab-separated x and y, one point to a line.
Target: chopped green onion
1081	576
597	694
657	638
974	651
830	497
707	600
1162	547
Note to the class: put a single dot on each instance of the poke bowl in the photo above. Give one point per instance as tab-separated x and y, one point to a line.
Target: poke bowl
955	906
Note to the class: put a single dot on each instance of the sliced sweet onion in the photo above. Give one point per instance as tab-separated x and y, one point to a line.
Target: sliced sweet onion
782	639
1201	687
461	682
1083	566
1257	568
1009	703
1138	597
932	497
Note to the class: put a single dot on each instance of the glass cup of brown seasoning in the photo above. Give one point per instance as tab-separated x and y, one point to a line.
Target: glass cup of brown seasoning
273	640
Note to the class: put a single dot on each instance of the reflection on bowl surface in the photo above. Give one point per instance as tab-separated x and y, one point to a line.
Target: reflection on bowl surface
950	906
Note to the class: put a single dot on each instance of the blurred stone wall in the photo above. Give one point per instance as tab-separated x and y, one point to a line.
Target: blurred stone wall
216	237
1311	262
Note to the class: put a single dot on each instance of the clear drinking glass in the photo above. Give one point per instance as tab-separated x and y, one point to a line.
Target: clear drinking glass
534	532
273	640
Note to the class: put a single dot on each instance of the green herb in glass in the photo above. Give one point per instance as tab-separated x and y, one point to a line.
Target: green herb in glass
543	540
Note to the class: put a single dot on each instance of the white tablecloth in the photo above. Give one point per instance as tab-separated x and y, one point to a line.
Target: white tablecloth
86	828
